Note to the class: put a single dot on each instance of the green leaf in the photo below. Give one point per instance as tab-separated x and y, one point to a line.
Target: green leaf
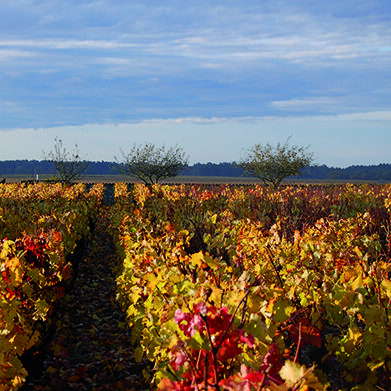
37	277
138	354
281	310
42	308
211	262
256	327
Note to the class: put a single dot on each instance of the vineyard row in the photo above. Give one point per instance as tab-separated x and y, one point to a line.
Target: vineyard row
239	289
225	287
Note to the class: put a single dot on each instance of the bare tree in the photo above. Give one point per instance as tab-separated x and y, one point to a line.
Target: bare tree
69	165
151	164
273	164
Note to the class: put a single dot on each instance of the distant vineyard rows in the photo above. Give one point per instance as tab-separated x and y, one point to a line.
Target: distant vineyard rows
225	287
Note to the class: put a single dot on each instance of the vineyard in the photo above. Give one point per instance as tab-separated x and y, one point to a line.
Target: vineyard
221	287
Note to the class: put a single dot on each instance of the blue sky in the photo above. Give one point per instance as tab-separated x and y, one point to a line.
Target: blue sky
214	77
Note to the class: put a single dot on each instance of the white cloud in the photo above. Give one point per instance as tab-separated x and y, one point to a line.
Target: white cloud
66	44
367	116
225	65
12	54
287	33
322	103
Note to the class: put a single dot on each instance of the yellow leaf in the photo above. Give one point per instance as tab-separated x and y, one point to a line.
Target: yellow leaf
254	301
354	334
16	270
8	247
357	283
196	258
386	285
358	252
152	280
292	372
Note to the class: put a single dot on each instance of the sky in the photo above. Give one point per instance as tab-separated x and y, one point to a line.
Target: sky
213	77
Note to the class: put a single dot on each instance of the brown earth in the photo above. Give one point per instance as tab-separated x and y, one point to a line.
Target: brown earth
91	348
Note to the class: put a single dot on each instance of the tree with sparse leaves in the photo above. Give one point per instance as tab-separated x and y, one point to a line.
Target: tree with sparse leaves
151	164
272	164
69	165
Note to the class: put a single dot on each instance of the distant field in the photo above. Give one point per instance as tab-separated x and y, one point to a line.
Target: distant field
183	179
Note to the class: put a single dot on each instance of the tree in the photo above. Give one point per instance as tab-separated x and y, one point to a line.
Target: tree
69	165
150	164
273	164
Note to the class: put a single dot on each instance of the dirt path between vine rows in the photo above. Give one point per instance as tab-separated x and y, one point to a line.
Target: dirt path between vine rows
91	348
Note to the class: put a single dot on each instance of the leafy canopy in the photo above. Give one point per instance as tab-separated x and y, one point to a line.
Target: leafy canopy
150	163
272	164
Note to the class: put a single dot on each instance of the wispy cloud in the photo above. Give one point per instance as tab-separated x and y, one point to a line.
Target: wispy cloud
309	104
367	116
66	44
195	63
211	32
10	54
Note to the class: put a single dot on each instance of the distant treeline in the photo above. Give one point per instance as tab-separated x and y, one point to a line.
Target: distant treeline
380	172
46	167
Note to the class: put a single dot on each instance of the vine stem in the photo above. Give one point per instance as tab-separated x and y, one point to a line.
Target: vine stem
275	268
262	381
193	368
232	319
299	381
298	345
216	348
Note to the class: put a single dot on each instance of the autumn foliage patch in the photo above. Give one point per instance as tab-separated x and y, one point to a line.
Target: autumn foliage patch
39	226
224	287
231	288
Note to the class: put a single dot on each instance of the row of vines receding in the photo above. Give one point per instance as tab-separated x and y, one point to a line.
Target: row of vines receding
231	288
40	227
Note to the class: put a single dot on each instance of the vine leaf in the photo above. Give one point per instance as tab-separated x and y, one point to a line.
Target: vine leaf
16	270
386	285
310	334
292	372
42	308
300	378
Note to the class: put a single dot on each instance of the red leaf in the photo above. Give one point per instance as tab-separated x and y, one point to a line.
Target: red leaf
309	334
